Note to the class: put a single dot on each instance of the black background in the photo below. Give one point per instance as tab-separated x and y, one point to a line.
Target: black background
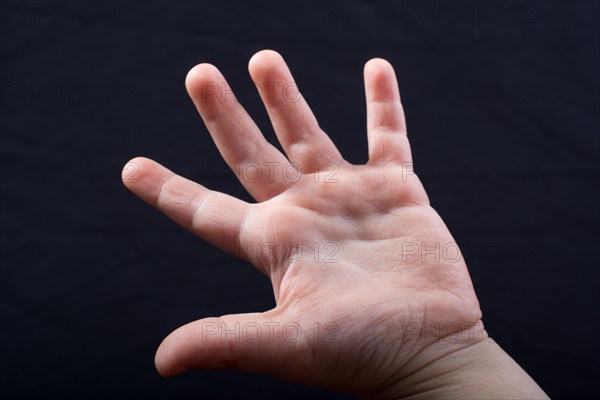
502	104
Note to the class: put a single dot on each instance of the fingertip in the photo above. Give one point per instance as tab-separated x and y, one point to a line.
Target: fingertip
380	81
201	74
144	176
131	170
263	59
165	359
165	369
377	66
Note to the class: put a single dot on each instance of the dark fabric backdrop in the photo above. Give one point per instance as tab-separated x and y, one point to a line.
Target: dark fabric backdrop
502	103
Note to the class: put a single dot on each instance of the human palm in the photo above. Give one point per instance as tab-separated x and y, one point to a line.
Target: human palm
368	281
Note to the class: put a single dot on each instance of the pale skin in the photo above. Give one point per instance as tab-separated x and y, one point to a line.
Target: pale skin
373	297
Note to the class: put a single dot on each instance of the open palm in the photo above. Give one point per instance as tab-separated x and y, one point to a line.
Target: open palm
369	283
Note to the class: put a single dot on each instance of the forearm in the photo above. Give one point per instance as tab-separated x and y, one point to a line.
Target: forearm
480	371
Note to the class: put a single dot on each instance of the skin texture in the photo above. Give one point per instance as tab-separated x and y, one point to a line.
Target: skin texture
372	292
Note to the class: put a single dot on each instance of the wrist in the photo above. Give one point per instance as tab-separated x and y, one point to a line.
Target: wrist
470	365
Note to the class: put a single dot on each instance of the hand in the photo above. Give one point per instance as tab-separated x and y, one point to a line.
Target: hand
370	286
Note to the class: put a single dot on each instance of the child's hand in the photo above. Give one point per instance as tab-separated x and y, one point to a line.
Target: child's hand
371	289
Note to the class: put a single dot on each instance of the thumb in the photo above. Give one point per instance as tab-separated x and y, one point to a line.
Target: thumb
257	343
